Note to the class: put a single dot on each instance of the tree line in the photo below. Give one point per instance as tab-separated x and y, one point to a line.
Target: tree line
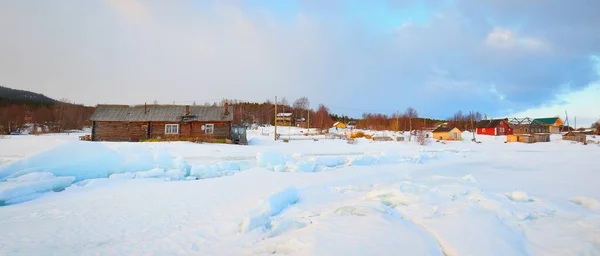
43	117
248	113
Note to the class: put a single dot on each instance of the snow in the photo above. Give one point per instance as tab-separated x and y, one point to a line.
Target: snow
62	196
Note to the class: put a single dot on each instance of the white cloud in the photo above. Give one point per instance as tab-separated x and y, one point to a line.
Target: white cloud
506	39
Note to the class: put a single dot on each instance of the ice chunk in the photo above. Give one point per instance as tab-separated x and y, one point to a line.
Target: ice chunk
302	166
121	176
30	184
272	206
270	159
519	196
174	174
216	170
84	160
329	161
78	159
154	173
363	160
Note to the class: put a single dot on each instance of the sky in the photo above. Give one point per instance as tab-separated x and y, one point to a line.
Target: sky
504	58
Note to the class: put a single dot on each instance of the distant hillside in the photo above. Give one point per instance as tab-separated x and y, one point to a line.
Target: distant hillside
21	97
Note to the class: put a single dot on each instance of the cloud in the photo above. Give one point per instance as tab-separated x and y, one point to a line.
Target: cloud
489	56
132	9
576	103
506	39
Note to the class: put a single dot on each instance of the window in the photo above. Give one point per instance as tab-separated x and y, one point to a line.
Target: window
171	129
209	128
501	129
483	129
455	135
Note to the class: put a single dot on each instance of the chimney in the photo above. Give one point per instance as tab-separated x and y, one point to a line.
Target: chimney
187	110
145	108
226	110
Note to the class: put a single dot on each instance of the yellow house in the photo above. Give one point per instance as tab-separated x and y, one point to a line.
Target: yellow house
447	133
339	125
554	124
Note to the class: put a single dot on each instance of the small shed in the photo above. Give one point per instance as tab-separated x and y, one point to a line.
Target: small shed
283	119
339	125
541	137
447	133
575	136
528	138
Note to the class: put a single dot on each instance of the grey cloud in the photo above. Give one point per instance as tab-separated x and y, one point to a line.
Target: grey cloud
183	52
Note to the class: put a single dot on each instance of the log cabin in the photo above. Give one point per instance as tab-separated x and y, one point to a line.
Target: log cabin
164	122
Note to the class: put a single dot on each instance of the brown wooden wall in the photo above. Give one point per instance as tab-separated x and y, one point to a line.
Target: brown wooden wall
119	131
134	131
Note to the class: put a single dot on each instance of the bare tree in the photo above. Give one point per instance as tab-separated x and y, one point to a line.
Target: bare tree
301	103
322	117
410	114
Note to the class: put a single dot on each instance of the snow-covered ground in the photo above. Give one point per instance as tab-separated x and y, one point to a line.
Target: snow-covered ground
61	196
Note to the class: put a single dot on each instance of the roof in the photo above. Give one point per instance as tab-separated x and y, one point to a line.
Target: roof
489	123
444	129
548	120
284	114
574	134
159	113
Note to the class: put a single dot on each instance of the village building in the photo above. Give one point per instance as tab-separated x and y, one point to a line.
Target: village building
301	122
575	136
554	124
339	125
527	126
494	127
447	133
283	119
352	124
168	122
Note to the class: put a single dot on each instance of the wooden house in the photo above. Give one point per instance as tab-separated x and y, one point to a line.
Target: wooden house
575	136
494	127
447	133
301	122
553	124
283	119
339	125
527	126
168	122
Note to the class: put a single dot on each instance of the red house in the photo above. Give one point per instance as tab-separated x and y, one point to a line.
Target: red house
494	127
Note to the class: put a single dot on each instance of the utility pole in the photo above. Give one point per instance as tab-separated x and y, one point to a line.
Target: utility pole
472	128
275	120
308	120
397	121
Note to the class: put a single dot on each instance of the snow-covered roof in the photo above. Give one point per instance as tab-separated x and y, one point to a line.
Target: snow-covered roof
284	114
159	113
